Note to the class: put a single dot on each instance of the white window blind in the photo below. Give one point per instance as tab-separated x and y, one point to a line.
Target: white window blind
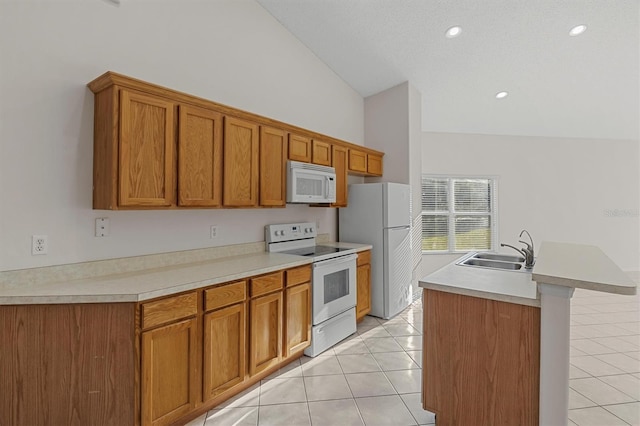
458	214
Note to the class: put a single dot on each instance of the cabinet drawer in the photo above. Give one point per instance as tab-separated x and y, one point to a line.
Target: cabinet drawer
266	284
298	275
364	257
225	295
169	309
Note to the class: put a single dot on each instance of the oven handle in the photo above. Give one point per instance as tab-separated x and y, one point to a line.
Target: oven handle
335	261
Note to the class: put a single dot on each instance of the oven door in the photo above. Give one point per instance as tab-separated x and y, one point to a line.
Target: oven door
334	287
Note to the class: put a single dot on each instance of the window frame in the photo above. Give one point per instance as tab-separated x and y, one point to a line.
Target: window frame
451	212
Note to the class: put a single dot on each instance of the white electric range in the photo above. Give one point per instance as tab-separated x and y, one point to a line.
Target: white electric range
333	281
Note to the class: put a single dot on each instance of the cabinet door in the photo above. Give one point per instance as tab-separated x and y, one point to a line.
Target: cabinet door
363	304
299	148
199	157
273	162
321	153
224	349
240	163
481	360
266	332
298	319
339	163
169	358
147	140
357	161
374	164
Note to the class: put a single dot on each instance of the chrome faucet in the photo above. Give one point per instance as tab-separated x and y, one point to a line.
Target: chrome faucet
528	252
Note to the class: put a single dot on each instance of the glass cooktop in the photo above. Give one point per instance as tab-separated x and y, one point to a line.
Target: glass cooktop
315	251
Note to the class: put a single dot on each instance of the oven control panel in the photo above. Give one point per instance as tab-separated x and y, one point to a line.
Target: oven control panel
289	232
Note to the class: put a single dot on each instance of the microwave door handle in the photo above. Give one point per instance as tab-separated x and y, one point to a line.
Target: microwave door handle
326	187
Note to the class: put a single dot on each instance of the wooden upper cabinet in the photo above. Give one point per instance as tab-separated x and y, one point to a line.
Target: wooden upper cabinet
299	148
199	157
240	163
339	155
273	167
374	164
321	153
357	161
157	148
146	151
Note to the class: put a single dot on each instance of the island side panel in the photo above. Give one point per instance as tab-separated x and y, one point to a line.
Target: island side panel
70	364
481	360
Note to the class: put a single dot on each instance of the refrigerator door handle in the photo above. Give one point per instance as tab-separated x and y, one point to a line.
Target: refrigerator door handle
399	228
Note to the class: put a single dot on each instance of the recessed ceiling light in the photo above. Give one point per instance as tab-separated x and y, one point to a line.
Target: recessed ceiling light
453	32
501	95
577	30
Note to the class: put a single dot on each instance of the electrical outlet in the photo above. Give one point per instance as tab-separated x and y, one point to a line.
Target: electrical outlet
39	244
102	227
213	232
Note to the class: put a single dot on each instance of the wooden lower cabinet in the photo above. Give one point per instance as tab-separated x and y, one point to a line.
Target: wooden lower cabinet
68	364
363	282
266	332
169	372
297	319
481	360
159	362
224	349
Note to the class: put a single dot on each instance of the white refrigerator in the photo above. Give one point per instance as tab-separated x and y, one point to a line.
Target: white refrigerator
379	214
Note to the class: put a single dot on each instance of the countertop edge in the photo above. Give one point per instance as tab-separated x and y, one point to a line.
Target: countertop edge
40	296
481	294
587	285
580	266
114	288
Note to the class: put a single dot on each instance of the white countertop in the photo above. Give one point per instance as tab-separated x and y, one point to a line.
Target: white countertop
563	264
136	286
580	266
504	286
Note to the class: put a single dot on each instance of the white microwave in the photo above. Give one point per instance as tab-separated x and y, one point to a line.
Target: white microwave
310	183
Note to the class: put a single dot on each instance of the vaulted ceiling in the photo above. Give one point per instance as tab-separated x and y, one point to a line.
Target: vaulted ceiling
586	86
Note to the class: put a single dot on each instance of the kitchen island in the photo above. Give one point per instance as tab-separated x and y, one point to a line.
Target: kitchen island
496	342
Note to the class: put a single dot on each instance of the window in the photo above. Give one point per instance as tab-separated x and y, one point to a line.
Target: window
458	214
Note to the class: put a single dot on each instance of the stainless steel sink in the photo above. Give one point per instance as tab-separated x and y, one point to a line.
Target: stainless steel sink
494	261
492	264
501	257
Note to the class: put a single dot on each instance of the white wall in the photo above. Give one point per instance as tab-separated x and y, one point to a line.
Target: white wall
393	125
559	189
386	128
229	51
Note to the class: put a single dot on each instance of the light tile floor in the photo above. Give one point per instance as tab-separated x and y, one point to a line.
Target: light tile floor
373	377
604	379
